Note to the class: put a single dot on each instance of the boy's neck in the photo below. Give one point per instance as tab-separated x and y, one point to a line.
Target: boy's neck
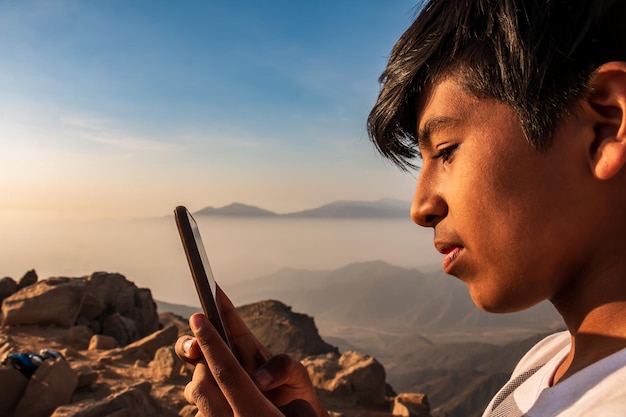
588	348
596	320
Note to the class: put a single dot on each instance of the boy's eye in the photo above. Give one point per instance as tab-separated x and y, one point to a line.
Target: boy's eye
445	154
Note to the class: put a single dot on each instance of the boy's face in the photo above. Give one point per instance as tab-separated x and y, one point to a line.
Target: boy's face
513	222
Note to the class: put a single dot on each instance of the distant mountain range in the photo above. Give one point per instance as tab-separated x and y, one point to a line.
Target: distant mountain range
423	326
386	296
385	208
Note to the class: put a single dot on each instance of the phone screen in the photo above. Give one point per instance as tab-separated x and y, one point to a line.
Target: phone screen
200	268
205	261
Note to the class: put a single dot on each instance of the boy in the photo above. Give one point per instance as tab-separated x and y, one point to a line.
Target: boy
517	109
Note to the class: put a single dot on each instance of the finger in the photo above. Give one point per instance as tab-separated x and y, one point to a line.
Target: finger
188	350
298	408
281	370
250	351
283	378
231	318
204	393
238	388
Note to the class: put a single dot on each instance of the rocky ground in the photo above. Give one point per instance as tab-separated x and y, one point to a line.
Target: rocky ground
119	359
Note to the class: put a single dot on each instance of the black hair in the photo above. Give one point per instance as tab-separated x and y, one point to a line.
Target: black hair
537	56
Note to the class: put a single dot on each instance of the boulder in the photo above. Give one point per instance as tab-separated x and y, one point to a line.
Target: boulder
135	401
100	377
29	278
77	337
115	307
365	376
8	286
147	347
12	386
181	323
125	301
411	405
122	329
93	306
166	364
105	303
69	352
51	386
322	368
6	346
107	286
144	312
86	376
51	302
102	342
284	331
354	378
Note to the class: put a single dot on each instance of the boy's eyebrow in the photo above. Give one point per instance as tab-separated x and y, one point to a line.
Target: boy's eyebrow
434	125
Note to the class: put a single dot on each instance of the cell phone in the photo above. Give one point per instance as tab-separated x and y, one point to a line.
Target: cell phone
200	268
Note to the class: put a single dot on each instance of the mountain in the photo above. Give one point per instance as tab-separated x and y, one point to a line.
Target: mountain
380	295
236	209
422	326
385	208
184	311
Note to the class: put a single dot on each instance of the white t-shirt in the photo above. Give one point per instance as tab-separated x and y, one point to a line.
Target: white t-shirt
597	390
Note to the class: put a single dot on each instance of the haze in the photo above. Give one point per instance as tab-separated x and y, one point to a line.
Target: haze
114	110
149	251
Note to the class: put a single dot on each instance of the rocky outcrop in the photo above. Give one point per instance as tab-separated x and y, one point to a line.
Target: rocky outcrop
166	365
12	386
56	301
146	348
102	342
131	310
8	286
353	379
92	382
282	330
411	405
100	376
108	304
351	383
51	386
135	401
29	278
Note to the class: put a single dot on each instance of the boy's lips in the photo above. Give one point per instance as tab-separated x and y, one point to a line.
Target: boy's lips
451	252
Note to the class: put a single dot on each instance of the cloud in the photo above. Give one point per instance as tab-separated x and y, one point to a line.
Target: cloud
100	131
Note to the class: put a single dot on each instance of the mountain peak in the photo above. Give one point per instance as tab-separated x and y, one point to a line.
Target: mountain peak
343	209
236	209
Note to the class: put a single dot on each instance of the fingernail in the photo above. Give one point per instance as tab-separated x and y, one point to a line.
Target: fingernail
197	322
262	377
187	345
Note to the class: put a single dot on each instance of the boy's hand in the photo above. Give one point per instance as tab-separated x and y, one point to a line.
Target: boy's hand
257	384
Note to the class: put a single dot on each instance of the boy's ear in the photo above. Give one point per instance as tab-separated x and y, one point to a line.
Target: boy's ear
607	99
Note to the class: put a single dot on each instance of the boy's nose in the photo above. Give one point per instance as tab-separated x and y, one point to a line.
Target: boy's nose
428	208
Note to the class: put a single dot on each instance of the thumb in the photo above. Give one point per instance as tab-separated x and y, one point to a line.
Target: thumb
298	408
284	379
281	370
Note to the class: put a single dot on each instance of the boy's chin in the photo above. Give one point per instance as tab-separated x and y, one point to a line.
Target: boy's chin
494	302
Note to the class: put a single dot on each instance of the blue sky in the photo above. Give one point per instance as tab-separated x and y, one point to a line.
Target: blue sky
128	108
